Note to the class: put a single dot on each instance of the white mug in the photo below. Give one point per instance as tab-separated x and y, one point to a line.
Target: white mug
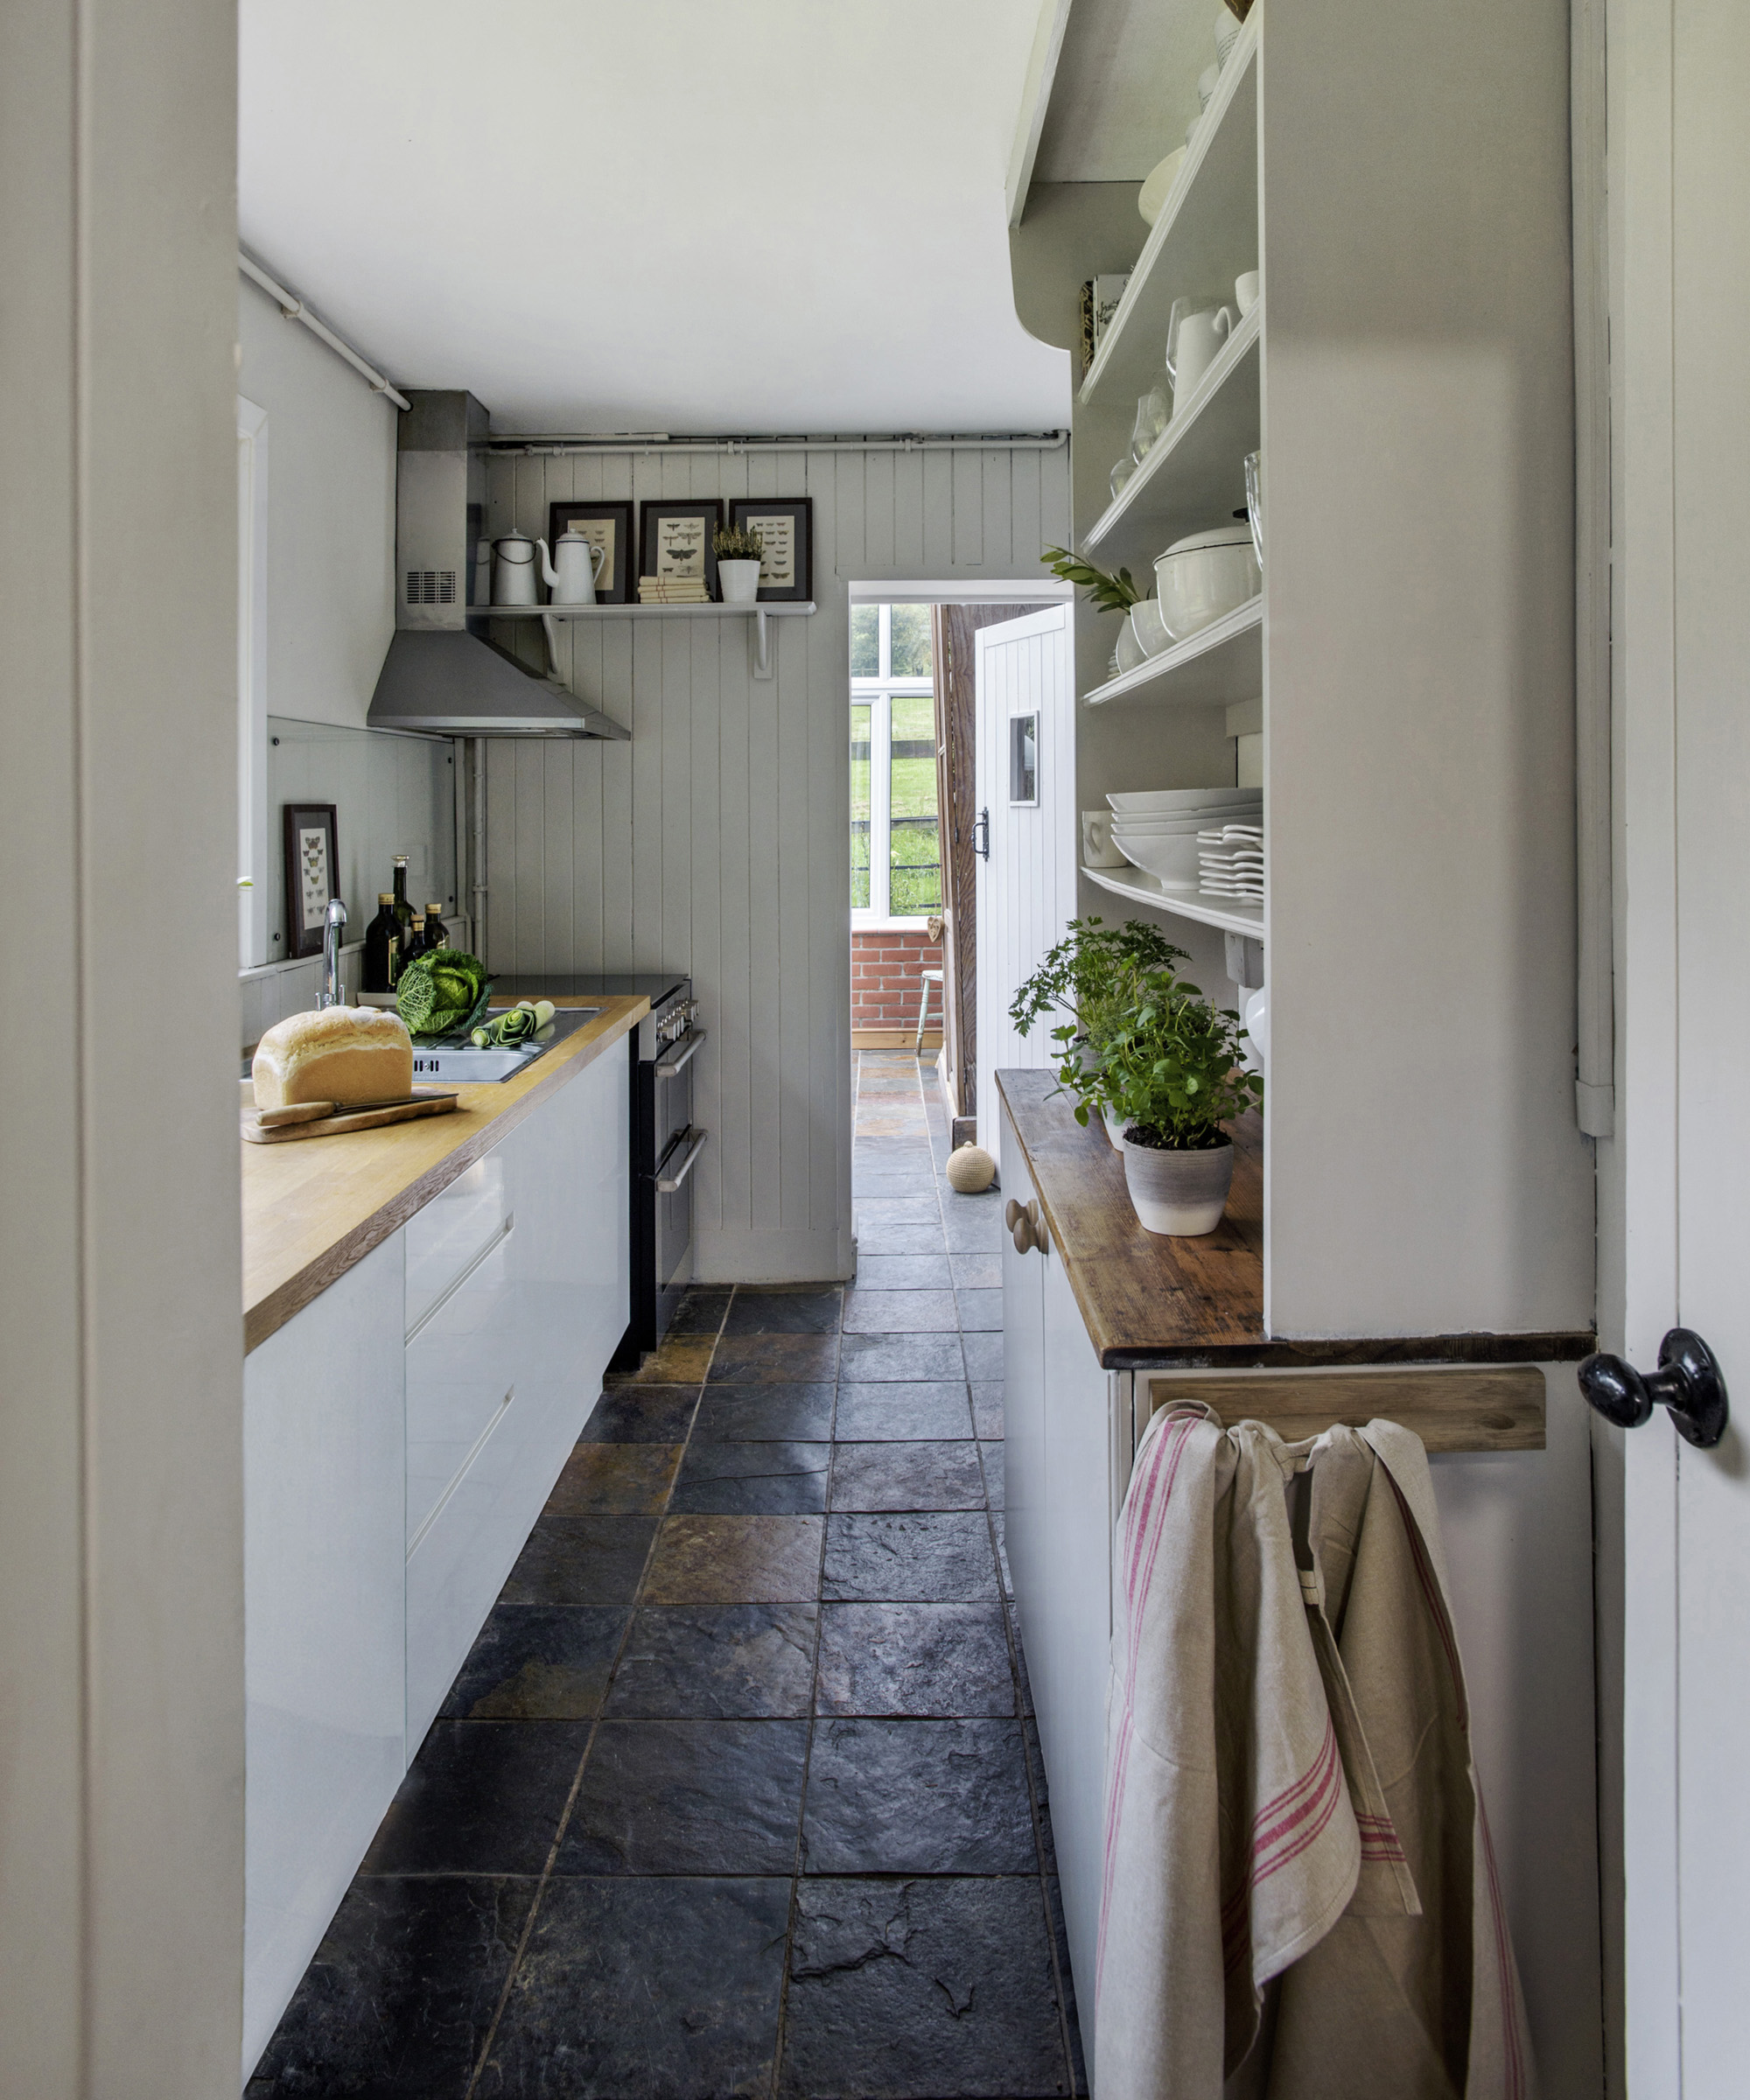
1097	850
1194	344
1246	291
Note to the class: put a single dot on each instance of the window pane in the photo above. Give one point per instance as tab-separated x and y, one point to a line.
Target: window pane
866	641
915	882
859	803
914	854
911	641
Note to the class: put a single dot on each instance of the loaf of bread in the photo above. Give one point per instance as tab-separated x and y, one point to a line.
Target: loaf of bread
343	1054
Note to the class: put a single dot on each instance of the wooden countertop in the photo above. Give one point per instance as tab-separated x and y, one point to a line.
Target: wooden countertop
1197	1304
311	1211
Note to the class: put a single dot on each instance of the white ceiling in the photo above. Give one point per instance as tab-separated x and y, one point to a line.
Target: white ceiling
771	215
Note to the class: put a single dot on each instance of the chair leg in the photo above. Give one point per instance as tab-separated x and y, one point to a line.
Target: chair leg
923	1013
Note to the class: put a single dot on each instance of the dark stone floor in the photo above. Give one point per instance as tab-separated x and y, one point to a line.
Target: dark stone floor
738	1791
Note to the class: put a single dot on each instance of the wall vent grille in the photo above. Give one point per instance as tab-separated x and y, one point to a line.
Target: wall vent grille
431	586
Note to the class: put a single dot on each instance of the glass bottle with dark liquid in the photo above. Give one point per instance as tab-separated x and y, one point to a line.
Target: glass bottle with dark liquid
382	947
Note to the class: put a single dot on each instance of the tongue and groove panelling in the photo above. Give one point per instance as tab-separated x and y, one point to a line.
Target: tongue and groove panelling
718	840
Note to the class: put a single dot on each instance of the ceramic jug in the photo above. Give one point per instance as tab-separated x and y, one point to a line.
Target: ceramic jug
575	569
513	569
1194	342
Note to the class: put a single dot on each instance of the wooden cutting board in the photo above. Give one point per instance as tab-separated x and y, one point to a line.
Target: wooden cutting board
360	1119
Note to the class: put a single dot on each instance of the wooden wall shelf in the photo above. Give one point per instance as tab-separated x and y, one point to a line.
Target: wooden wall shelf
1463	1408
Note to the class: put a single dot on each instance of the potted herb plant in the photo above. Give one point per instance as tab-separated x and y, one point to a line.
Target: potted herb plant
1091	976
738	556
1170	1069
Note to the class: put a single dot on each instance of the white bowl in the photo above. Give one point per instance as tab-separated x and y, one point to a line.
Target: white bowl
1158	184
1202	579
1175	799
1171	859
1227	33
1131	651
1150	630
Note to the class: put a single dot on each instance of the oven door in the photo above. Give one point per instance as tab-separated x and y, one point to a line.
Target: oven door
678	1145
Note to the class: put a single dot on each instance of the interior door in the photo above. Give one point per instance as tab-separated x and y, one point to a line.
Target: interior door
1026	769
1680	176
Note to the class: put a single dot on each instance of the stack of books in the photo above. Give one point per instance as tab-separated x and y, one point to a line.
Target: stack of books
1230	862
673	591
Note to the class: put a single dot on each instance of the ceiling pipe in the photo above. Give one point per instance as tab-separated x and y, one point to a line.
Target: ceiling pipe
556	445
295	310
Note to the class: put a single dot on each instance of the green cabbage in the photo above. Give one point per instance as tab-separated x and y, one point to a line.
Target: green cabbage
440	990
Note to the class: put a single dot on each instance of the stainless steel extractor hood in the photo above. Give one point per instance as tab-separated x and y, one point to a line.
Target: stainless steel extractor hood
443	673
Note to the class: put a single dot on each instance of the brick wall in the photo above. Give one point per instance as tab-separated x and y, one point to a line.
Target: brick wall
884	983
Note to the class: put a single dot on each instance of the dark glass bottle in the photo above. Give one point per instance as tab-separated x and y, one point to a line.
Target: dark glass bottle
436	934
382	947
414	946
403	910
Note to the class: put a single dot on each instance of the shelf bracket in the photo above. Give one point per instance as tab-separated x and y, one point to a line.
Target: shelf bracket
761	636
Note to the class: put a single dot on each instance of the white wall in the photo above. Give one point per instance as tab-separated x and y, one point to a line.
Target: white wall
331	516
121	1343
718	840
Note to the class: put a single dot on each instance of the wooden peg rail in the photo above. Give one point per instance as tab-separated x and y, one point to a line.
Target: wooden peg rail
1499	1408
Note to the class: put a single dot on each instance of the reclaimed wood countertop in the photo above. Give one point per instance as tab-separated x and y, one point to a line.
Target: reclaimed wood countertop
1150	1302
311	1211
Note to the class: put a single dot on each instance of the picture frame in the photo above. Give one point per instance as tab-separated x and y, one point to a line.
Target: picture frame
312	873
676	537
788	531
610	526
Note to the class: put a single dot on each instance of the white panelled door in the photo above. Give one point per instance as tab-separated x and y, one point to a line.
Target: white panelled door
1025	763
1680	177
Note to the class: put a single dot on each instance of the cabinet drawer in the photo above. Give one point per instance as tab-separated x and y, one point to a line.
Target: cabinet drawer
460	1370
450	1237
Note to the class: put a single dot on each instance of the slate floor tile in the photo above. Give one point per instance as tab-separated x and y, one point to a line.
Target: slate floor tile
987	1407
642	1414
944	1556
997	1523
783	1312
775	1359
700	1312
538	1662
942	1987
906	1239
981	1312
597	2012
918	1797
950	1660
397	2001
907	1476
900	1312
871	1182
680	1359
736	1560
897	1210
913	1358
992	1456
765	1414
716	1662
581	1560
902	1271
482	1798
973	1224
688	1797
615	1480
723	1480
977	1271
882	1413
984	1355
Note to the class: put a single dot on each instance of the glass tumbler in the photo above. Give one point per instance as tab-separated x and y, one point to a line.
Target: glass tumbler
1255	501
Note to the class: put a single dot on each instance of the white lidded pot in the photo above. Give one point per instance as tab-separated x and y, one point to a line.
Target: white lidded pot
574	568
1202	579
513	569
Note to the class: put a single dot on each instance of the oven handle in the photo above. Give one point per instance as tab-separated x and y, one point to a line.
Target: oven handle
695	1142
687	1048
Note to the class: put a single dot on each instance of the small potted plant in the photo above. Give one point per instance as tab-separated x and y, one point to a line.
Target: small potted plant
738	556
1119	594
1171	1070
1091	976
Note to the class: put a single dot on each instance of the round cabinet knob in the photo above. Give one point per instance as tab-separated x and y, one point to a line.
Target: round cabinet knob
1026	1228
1687	1382
1012	1213
1022	1234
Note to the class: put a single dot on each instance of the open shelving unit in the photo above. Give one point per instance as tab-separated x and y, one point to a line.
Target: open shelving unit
1136	886
758	613
1219	664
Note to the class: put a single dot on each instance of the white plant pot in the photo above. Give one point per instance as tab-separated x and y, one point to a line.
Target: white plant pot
1180	1194
739	582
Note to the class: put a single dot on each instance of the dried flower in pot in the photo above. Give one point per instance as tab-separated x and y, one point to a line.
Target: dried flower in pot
738	556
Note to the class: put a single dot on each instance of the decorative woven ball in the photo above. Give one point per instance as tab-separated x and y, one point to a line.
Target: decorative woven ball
970	1169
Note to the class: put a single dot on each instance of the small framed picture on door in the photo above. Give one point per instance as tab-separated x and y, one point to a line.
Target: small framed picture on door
786	524
313	872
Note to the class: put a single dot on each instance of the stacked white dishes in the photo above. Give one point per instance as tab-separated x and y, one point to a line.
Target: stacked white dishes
1158	831
1231	861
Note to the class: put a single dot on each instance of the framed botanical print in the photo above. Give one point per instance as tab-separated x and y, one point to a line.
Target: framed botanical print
675	540
609	526
787	525
313	872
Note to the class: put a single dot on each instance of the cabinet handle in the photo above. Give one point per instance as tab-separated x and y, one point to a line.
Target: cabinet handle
668	1181
1687	1382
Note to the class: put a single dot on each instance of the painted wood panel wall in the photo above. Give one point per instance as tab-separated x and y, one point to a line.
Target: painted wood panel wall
718	840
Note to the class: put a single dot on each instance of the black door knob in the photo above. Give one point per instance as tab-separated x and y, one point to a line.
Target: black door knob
1687	1382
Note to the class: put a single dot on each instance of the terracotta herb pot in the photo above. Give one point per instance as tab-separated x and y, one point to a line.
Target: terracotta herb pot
1181	1193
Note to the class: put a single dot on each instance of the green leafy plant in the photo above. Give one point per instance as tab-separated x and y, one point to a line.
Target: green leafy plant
1110	593
1169	1066
736	543
1087	971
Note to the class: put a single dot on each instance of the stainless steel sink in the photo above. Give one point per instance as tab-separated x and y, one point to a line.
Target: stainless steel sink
463	1065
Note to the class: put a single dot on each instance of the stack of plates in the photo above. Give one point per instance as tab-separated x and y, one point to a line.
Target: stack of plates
1159	832
1230	862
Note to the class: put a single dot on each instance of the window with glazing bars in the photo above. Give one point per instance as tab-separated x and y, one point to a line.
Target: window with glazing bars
895	825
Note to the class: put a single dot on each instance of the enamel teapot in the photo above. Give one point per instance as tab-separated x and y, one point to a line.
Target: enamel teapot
575	569
513	569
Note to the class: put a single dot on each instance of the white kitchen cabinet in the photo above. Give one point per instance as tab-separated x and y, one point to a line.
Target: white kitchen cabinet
323	1496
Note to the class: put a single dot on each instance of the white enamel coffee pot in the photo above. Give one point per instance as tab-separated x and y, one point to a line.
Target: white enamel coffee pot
513	569
575	569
